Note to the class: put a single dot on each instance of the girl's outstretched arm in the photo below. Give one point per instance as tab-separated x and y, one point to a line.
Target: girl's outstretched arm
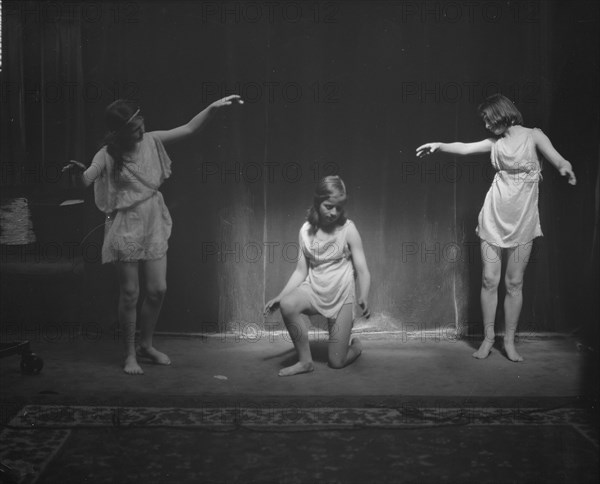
197	122
362	270
542	143
457	148
297	278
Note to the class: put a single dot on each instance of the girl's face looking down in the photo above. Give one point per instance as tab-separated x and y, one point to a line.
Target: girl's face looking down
331	209
138	131
497	129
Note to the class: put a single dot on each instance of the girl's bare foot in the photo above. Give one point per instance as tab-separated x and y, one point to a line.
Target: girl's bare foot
356	347
152	353
131	366
511	352
297	369
484	349
356	343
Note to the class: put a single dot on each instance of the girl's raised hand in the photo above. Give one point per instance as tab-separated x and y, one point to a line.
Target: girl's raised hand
427	149
227	101
567	170
72	164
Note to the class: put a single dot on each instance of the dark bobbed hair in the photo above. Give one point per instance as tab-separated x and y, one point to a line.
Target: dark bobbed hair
498	110
327	187
121	124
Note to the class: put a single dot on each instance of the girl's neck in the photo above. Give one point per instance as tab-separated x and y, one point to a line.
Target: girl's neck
134	150
512	131
328	229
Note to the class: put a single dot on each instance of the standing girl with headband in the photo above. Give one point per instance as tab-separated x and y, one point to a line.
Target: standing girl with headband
127	173
330	255
509	219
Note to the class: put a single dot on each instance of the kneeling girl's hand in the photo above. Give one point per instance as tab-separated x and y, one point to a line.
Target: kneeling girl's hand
365	308
272	305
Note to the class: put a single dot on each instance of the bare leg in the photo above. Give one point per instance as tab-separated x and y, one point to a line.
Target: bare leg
340	353
515	271
491	257
155	272
292	307
127	273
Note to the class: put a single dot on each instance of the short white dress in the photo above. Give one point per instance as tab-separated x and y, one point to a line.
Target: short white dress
509	216
138	223
330	280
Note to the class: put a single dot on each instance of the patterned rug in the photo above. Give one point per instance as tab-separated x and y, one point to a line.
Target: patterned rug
52	443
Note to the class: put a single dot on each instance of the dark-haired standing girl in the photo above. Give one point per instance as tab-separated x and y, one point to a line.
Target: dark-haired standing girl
127	173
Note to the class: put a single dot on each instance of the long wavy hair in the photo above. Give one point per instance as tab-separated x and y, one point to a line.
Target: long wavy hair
327	187
500	111
122	121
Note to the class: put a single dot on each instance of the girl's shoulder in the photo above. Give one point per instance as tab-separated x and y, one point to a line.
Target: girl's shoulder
535	131
150	139
102	156
306	230
305	226
102	151
347	229
348	225
537	135
532	131
350	228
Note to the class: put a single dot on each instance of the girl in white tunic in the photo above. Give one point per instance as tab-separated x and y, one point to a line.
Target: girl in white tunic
127	172
330	256
509	218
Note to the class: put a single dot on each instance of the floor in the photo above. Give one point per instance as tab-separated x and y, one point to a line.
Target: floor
231	379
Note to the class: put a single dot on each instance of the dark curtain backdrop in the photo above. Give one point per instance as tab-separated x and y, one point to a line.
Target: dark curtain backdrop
348	88
43	101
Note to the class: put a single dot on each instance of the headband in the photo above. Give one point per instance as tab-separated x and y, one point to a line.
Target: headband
127	122
132	116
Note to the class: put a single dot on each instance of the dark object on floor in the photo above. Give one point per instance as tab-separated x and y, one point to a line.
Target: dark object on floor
31	364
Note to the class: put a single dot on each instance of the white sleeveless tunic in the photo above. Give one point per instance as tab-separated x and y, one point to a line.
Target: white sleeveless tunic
330	280
510	216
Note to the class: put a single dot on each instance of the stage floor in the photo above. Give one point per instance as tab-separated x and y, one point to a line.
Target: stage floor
86	367
411	409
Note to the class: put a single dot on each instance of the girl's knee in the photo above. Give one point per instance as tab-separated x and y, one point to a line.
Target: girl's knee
156	292
288	306
337	357
336	363
129	295
514	285
490	281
